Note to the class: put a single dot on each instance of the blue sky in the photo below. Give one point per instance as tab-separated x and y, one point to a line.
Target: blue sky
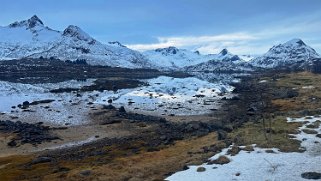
242	26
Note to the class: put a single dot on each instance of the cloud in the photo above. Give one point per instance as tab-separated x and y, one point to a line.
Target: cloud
253	41
196	42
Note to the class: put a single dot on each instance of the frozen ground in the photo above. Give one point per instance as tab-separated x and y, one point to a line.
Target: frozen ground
63	110
259	165
162	96
167	96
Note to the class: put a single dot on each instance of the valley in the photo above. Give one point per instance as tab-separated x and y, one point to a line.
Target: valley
75	108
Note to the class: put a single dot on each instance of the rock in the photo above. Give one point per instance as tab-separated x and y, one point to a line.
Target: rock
309	131
26	103
41	160
85	172
110	101
248	148
311	175
313	125
269	151
237	174
220	160
108	107
122	109
235	98
318	135
12	143
221	134
201	169
110	121
233	151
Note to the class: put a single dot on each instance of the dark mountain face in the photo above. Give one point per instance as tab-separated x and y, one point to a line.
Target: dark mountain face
167	51
30	23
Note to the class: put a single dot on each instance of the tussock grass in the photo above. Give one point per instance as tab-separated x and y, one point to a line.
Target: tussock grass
276	137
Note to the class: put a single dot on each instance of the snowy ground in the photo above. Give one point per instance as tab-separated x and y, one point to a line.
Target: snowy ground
167	95
259	165
162	96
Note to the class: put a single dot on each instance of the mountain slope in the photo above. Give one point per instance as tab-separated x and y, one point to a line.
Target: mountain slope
292	53
222	62
173	58
30	38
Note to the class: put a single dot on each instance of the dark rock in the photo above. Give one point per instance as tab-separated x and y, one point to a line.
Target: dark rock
108	107
311	175
85	172
12	143
26	133
201	169
309	131
26	103
233	151
220	160
185	167
269	151
235	98
318	135
41	160
248	148
122	109
110	121
222	135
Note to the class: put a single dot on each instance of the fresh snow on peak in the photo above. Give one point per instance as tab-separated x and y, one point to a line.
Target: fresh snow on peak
225	55
76	32
116	43
31	39
168	51
292	53
173	58
295	42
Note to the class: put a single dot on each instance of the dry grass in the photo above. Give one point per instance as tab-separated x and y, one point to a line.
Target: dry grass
309	88
116	165
253	133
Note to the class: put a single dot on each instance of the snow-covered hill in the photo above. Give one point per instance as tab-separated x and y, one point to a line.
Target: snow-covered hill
221	66
222	62
31	38
292	53
173	58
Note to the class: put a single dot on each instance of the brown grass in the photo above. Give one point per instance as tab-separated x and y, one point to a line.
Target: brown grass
308	99
116	165
253	133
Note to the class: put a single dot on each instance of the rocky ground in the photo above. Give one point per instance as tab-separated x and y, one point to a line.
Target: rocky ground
120	145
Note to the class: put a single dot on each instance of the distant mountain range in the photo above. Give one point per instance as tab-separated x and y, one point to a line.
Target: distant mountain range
32	39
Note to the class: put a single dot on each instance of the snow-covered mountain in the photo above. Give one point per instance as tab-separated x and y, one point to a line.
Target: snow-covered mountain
222	62
221	66
292	53
172	58
32	39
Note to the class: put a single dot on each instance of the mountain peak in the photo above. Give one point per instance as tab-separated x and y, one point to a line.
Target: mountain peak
168	50
291	53
116	43
296	42
29	23
76	32
224	52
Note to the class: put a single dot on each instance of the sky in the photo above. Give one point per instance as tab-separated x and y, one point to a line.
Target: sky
241	26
